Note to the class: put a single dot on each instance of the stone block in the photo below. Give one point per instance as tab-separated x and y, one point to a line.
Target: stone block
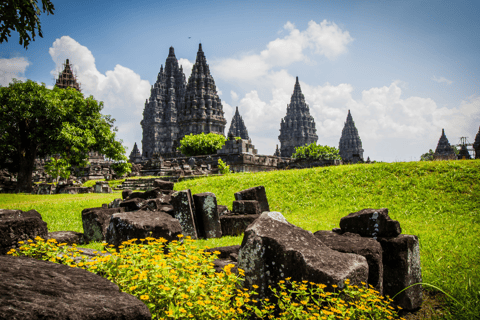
95	222
255	193
222	210
207	215
34	289
163	185
126	193
141	224
68	237
273	249
235	225
184	211
115	203
371	223
246	207
17	225
366	247
133	204
401	268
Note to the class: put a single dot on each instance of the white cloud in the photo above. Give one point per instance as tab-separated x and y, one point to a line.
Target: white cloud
12	68
442	80
187	67
121	89
234	95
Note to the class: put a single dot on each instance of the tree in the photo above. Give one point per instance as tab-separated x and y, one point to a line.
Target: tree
315	151
37	122
427	156
22	16
57	167
201	144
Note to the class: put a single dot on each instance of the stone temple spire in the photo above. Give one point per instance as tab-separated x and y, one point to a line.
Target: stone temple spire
202	110
476	145
135	155
160	116
237	127
297	128
350	145
444	150
66	78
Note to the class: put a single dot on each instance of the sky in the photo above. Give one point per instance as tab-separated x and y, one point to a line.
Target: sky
405	69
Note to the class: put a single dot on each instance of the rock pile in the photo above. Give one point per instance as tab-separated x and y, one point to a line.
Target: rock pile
8	182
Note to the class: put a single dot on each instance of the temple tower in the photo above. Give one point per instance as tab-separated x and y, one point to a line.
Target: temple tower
135	155
66	78
297	128
202	109
444	150
350	145
237	127
160	116
476	145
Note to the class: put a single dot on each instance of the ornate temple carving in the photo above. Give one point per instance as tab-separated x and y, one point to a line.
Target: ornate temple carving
160	116
237	127
476	145
66	78
444	150
350	145
202	109
297	128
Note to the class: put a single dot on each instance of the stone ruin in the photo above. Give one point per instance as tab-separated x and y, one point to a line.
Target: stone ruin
444	150
368	247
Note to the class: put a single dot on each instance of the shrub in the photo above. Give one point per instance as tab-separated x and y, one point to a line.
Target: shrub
316	152
201	144
223	168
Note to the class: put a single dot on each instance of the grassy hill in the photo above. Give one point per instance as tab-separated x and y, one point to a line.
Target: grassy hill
437	201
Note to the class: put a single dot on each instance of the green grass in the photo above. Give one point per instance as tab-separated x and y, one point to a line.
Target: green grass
437	201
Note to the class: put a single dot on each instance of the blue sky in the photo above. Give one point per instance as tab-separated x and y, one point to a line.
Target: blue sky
405	69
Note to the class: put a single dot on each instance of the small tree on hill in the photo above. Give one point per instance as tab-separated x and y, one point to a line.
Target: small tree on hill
316	152
201	144
427	156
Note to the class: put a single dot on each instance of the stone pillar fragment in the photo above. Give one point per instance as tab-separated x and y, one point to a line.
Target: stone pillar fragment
184	211
255	193
207	215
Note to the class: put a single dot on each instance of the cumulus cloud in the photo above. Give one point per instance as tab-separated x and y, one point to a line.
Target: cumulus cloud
12	68
121	89
233	95
187	67
442	80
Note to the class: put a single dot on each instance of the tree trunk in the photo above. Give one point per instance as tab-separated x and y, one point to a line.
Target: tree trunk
25	172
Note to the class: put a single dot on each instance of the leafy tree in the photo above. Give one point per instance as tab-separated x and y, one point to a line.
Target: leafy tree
57	167
201	144
427	156
22	16
223	168
37	122
315	151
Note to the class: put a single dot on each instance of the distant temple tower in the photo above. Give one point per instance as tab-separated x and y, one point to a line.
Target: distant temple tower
237	127
135	155
476	145
444	150
350	145
202	109
160	116
66	78
297	128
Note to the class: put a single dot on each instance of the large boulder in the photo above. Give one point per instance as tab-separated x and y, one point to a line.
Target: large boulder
401	268
371	223
17	225
125	226
34	289
95	222
184	212
273	249
207	215
354	243
255	193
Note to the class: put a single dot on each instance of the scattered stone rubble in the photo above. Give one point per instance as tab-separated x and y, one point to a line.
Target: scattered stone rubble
368	247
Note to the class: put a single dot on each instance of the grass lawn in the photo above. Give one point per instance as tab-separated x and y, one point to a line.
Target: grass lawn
437	201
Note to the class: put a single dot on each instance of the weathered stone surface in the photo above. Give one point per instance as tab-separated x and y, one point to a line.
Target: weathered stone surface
222	210
95	222
34	289
163	185
115	203
237	127
184	211
255	193
102	187
126	193
17	225
141	224
207	215
371	223
68	237
444	150
354	243
273	249
401	268
246	206
133	204
229	252
235	225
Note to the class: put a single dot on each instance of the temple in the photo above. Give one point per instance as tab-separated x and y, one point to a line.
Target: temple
160	116
297	128
237	127
444	150
135	155
350	145
202	110
66	78
476	145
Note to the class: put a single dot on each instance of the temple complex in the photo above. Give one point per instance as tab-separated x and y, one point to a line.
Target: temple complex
444	150
135	155
66	78
202	110
350	145
297	128
160	116
237	127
